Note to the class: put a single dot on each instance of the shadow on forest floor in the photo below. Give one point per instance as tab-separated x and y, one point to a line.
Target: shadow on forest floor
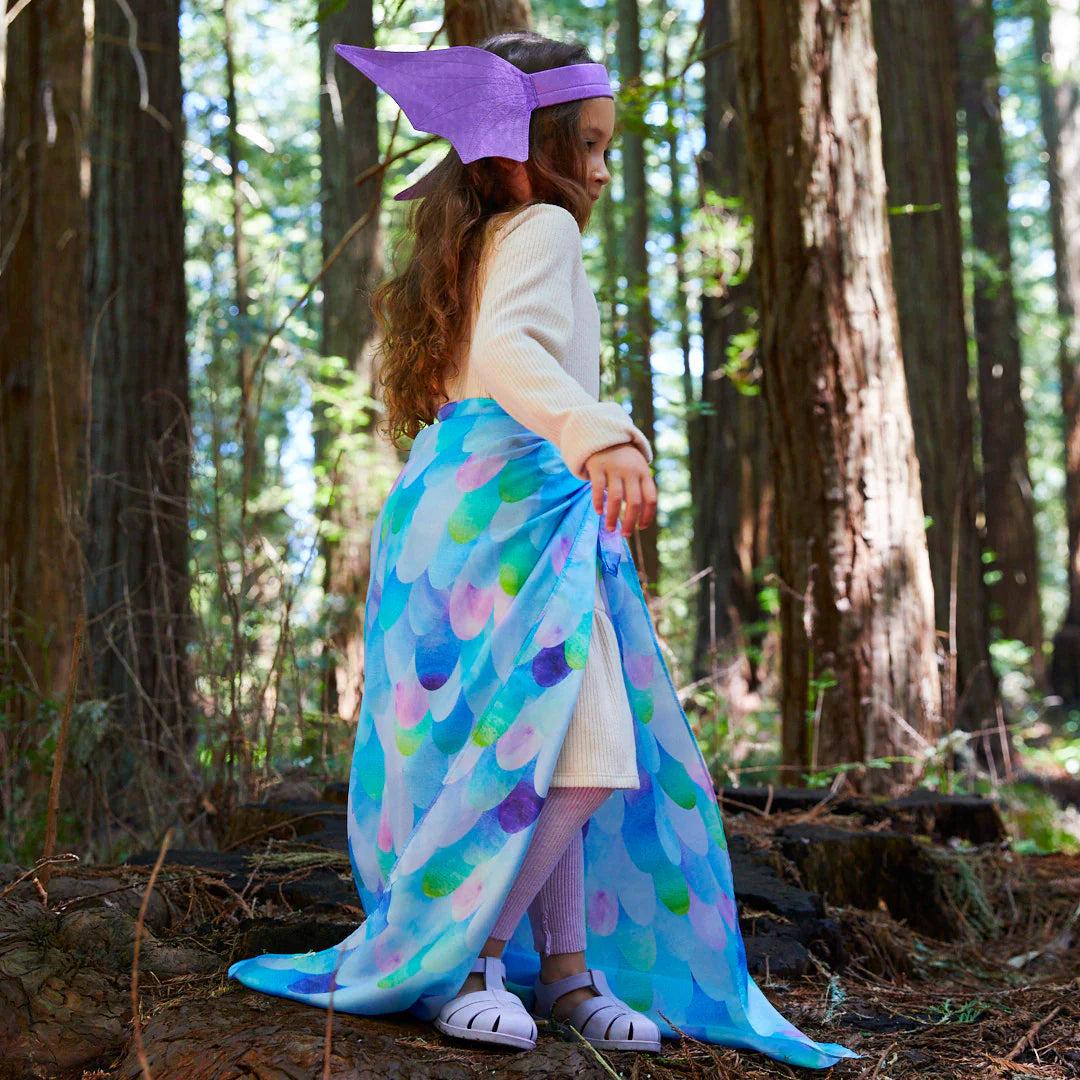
985	987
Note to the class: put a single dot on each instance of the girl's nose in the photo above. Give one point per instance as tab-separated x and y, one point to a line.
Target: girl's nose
601	174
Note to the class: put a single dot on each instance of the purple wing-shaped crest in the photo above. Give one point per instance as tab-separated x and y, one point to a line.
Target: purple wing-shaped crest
477	100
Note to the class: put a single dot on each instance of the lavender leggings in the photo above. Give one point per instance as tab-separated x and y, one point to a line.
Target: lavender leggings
551	881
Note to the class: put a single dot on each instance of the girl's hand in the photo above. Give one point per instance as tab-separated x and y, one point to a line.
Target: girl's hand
623	473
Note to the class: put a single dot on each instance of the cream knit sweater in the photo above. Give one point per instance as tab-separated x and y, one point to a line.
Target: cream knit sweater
535	349
535	344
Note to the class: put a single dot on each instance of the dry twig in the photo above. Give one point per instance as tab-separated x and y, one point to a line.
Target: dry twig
1029	1035
604	1063
880	1062
136	1022
55	860
329	1038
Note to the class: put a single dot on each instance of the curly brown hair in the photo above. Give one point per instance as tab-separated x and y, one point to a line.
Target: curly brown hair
425	312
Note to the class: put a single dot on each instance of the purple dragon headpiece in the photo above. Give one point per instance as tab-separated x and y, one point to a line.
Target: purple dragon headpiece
477	100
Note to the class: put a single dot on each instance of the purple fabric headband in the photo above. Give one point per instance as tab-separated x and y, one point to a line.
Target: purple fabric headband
477	100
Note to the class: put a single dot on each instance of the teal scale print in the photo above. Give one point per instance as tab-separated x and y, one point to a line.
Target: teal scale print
478	620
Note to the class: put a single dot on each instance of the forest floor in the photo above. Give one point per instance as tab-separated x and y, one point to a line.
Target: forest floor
997	997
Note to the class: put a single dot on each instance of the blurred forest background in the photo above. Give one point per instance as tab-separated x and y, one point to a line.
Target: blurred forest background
866	566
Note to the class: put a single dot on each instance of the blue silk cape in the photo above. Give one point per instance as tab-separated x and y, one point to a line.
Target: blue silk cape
477	626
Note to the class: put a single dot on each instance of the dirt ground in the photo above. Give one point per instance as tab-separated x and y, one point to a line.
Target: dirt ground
1001	1000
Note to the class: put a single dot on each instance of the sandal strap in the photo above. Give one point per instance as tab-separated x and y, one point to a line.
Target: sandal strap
493	970
546	994
494	995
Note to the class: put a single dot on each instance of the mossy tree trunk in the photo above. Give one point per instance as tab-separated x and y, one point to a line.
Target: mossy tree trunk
729	470
856	616
351	459
136	543
635	221
1057	43
1013	583
43	388
916	73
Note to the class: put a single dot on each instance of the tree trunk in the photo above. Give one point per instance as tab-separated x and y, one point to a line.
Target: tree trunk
730	484
1057	42
856	615
136	545
613	324
468	22
1013	588
635	236
915	84
43	385
3	79
242	589
348	454
677	211
245	375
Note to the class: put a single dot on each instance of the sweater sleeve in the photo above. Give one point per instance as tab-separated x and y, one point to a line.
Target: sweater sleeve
523	329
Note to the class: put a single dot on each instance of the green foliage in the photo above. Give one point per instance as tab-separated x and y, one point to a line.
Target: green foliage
1036	822
26	766
827	776
253	531
946	1012
725	234
738	750
257	564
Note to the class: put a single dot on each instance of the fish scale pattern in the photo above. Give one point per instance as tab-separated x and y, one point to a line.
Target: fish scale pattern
478	620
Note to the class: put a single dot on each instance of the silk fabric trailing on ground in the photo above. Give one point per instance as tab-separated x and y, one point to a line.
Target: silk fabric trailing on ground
478	619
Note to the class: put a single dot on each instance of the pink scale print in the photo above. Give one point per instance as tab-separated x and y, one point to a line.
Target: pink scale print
410	702
639	668
470	608
477	470
603	912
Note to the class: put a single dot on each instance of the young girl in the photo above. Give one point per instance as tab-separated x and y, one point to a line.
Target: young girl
520	746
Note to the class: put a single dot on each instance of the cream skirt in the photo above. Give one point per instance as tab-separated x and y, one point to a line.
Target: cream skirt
599	750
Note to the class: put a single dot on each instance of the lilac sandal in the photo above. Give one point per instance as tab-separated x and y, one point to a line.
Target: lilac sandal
604	1020
492	1015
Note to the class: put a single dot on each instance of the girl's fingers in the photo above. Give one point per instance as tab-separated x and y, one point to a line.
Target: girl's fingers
599	483
632	511
629	486
614	501
648	505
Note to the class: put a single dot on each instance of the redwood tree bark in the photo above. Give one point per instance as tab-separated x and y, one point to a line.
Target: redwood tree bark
916	71
349	140
43	376
3	73
857	631
729	471
635	237
137	537
471	21
1057	42
1010	506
